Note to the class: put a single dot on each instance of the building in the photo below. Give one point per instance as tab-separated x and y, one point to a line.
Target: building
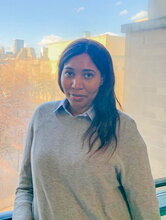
5	55
18	44
44	53
9	55
2	53
145	81
156	9
26	53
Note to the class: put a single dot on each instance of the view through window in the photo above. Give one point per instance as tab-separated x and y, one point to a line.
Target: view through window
33	35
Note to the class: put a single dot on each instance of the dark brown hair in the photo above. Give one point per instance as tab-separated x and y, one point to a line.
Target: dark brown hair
104	124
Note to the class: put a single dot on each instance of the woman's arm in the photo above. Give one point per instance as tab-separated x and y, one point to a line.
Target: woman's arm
24	191
136	176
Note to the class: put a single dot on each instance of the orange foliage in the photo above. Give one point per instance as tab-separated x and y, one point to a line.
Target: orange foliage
23	85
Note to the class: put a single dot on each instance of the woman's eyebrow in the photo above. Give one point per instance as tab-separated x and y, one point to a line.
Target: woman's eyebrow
89	70
84	70
69	68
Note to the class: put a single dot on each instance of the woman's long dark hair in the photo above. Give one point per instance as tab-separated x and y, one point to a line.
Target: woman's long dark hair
104	125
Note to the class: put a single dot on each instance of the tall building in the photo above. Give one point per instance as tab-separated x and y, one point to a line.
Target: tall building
18	44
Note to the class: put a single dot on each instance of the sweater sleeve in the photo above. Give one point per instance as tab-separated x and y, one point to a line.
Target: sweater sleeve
136	177
24	191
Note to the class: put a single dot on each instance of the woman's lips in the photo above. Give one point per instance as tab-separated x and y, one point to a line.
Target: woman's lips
77	97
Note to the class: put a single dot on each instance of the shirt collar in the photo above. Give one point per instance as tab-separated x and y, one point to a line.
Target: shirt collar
62	105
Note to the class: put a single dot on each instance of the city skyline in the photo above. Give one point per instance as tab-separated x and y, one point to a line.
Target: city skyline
39	22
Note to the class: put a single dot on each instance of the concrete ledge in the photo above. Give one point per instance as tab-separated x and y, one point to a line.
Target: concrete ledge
144	25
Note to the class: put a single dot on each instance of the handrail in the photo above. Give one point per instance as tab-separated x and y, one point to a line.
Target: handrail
161	195
6	215
160	182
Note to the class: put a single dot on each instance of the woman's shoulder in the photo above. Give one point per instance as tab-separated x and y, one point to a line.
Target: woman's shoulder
127	123
129	135
48	106
46	109
125	118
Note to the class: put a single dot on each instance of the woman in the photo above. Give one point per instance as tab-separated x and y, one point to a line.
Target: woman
84	159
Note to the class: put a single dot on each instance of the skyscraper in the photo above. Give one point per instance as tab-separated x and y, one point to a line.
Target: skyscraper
18	44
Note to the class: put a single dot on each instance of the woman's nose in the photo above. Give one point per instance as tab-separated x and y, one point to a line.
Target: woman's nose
77	83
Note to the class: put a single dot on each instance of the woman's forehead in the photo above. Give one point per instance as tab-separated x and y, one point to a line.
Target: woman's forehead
81	61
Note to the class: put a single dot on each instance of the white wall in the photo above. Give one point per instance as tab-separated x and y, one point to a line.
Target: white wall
156	8
145	90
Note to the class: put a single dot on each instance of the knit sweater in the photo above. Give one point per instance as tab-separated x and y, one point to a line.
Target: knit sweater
60	181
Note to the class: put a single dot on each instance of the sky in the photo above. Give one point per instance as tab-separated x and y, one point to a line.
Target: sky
39	22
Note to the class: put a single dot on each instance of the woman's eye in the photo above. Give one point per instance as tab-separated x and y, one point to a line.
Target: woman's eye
88	75
69	74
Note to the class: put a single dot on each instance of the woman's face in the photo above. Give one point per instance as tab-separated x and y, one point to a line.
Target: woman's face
80	80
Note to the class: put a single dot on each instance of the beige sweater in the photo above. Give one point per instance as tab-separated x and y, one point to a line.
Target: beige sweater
59	181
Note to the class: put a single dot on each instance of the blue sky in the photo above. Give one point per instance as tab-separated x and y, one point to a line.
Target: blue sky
40	21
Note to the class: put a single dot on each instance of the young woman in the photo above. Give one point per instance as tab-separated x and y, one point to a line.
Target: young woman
84	159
